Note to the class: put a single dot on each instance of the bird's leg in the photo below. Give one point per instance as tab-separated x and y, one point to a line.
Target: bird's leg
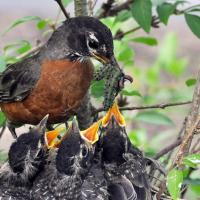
62	8
11	128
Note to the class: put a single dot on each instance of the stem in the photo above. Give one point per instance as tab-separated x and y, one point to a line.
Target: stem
80	7
161	106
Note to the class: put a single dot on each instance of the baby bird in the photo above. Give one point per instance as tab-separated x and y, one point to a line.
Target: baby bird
73	161
26	159
123	162
95	185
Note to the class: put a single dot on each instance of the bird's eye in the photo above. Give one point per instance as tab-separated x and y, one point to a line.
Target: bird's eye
84	151
93	44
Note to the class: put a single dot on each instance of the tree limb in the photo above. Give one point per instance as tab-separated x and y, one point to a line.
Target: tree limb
167	149
114	10
161	106
81	7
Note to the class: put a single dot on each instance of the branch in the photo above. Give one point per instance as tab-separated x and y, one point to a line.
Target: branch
114	10
161	106
80	7
167	149
192	122
63	8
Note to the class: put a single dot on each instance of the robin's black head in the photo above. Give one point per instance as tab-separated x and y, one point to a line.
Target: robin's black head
76	151
82	37
27	148
90	38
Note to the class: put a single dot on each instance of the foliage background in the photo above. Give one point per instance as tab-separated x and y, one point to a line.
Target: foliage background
161	62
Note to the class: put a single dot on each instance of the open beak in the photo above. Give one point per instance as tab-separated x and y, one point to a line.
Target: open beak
54	138
113	112
91	135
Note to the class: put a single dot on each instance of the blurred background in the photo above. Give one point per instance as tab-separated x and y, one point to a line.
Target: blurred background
161	67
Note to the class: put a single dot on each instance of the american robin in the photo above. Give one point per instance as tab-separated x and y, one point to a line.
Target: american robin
73	161
56	79
26	158
121	158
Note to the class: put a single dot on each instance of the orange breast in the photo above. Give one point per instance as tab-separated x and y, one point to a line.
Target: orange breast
59	91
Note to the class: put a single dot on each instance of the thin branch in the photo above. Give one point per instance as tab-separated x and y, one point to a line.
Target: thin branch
81	8
94	4
63	8
106	7
192	121
31	52
119	35
115	10
3	128
191	124
160	106
167	149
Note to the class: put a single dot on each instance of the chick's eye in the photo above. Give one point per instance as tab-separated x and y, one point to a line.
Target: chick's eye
93	44
84	151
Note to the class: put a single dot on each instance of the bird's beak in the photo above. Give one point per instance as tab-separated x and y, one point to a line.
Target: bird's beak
91	135
113	112
42	125
54	138
106	61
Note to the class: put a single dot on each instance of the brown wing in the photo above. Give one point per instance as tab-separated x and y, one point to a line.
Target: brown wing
17	81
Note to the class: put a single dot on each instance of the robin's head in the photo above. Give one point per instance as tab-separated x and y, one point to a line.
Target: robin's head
88	37
76	151
28	148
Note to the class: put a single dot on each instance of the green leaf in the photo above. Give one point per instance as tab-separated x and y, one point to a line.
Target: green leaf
2	119
195	189
19	47
21	21
3	156
142	13
123	16
2	63
154	117
193	21
131	93
41	24
192	160
124	53
146	40
97	89
174	181
191	82
164	11
66	2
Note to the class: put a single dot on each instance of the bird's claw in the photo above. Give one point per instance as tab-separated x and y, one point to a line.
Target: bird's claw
123	79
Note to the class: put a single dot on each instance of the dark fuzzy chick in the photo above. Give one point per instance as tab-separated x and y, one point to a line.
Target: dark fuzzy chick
26	158
122	159
73	161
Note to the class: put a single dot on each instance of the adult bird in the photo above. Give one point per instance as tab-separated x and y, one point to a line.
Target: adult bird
123	163
26	159
56	79
73	161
